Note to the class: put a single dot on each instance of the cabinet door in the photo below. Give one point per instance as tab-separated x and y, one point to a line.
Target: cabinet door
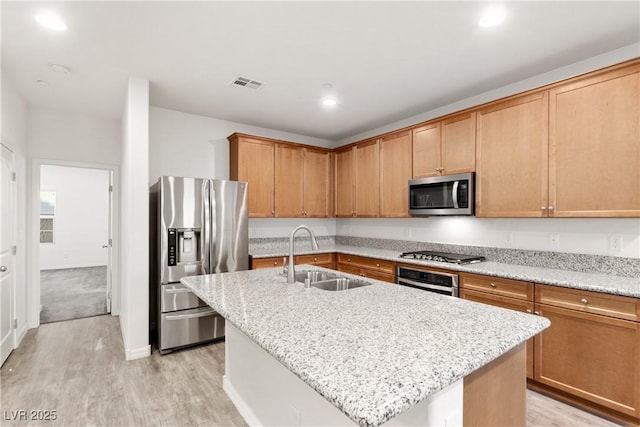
511	304
512	158
395	173
594	143
289	174
458	145
590	356
426	151
316	183
367	179
344	183
253	161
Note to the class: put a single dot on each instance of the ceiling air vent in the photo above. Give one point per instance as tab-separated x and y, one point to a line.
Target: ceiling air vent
248	83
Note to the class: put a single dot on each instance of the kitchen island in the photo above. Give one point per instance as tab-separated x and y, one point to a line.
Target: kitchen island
377	353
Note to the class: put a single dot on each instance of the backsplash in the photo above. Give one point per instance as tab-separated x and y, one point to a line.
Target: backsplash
617	266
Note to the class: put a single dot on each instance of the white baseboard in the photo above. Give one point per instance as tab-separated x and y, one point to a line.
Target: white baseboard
242	407
67	266
20	335
138	353
133	353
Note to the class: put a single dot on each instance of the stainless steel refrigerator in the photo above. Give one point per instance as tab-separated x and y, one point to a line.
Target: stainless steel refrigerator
201	227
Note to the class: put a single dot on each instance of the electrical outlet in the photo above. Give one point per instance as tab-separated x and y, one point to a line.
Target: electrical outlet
615	243
554	240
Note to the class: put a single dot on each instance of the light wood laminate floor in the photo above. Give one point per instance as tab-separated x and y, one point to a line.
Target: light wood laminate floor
77	368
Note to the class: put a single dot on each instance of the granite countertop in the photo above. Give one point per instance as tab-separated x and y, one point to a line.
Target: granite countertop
617	285
373	351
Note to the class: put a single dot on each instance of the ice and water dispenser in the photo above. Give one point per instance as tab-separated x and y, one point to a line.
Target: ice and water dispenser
184	245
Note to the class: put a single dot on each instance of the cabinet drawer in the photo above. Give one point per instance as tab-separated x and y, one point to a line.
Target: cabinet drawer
498	286
368	263
620	307
314	259
257	263
364	272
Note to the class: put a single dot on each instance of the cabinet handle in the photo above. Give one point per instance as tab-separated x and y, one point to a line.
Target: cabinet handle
544	208
315	259
584	301
528	310
550	208
493	285
377	265
273	213
537	313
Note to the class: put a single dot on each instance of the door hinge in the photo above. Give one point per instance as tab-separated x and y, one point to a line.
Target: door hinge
110	242
15	323
13	176
111	188
14	250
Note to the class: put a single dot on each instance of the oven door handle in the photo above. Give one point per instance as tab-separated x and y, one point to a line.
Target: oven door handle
402	280
454	194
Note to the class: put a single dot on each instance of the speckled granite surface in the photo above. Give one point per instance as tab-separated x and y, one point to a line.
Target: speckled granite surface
373	351
626	285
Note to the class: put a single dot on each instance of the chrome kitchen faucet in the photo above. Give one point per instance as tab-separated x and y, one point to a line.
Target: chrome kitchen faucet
291	273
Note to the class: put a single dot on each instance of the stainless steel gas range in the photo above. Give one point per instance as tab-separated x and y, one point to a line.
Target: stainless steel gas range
426	279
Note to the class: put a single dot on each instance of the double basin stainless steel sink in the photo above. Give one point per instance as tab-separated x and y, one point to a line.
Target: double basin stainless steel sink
329	281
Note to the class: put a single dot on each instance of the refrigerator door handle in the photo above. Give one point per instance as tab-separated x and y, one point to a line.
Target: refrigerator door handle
205	244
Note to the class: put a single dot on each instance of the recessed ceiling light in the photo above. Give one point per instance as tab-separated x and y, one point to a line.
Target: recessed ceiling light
329	102
59	68
492	17
50	21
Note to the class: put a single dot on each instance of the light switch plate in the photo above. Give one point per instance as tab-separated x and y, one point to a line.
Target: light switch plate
615	242
554	240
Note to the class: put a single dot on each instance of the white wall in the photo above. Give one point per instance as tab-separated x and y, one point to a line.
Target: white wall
182	144
57	135
81	217
134	311
601	61
14	113
586	236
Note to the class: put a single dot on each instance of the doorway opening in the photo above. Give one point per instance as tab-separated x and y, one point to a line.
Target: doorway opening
75	242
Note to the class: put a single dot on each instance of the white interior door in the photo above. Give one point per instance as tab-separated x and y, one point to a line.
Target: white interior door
7	253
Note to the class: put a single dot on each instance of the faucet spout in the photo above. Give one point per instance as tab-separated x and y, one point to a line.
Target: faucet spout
291	273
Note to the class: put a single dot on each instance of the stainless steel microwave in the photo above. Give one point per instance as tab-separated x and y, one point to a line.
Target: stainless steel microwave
442	195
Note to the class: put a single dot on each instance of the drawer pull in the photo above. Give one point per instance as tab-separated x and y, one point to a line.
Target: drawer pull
493	285
584	301
537	313
377	265
528	310
315	259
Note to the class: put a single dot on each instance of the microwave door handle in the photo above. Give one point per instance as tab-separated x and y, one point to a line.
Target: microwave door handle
454	194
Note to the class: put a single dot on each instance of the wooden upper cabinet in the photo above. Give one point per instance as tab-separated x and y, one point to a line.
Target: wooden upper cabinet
252	160
289	181
426	150
594	146
344	183
301	182
445	147
395	173
317	179
367	178
512	158
458	145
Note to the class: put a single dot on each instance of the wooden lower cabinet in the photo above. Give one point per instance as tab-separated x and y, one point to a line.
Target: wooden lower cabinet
593	357
326	260
372	268
511	304
506	293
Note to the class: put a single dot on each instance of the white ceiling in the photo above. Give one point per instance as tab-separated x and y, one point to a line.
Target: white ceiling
385	60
